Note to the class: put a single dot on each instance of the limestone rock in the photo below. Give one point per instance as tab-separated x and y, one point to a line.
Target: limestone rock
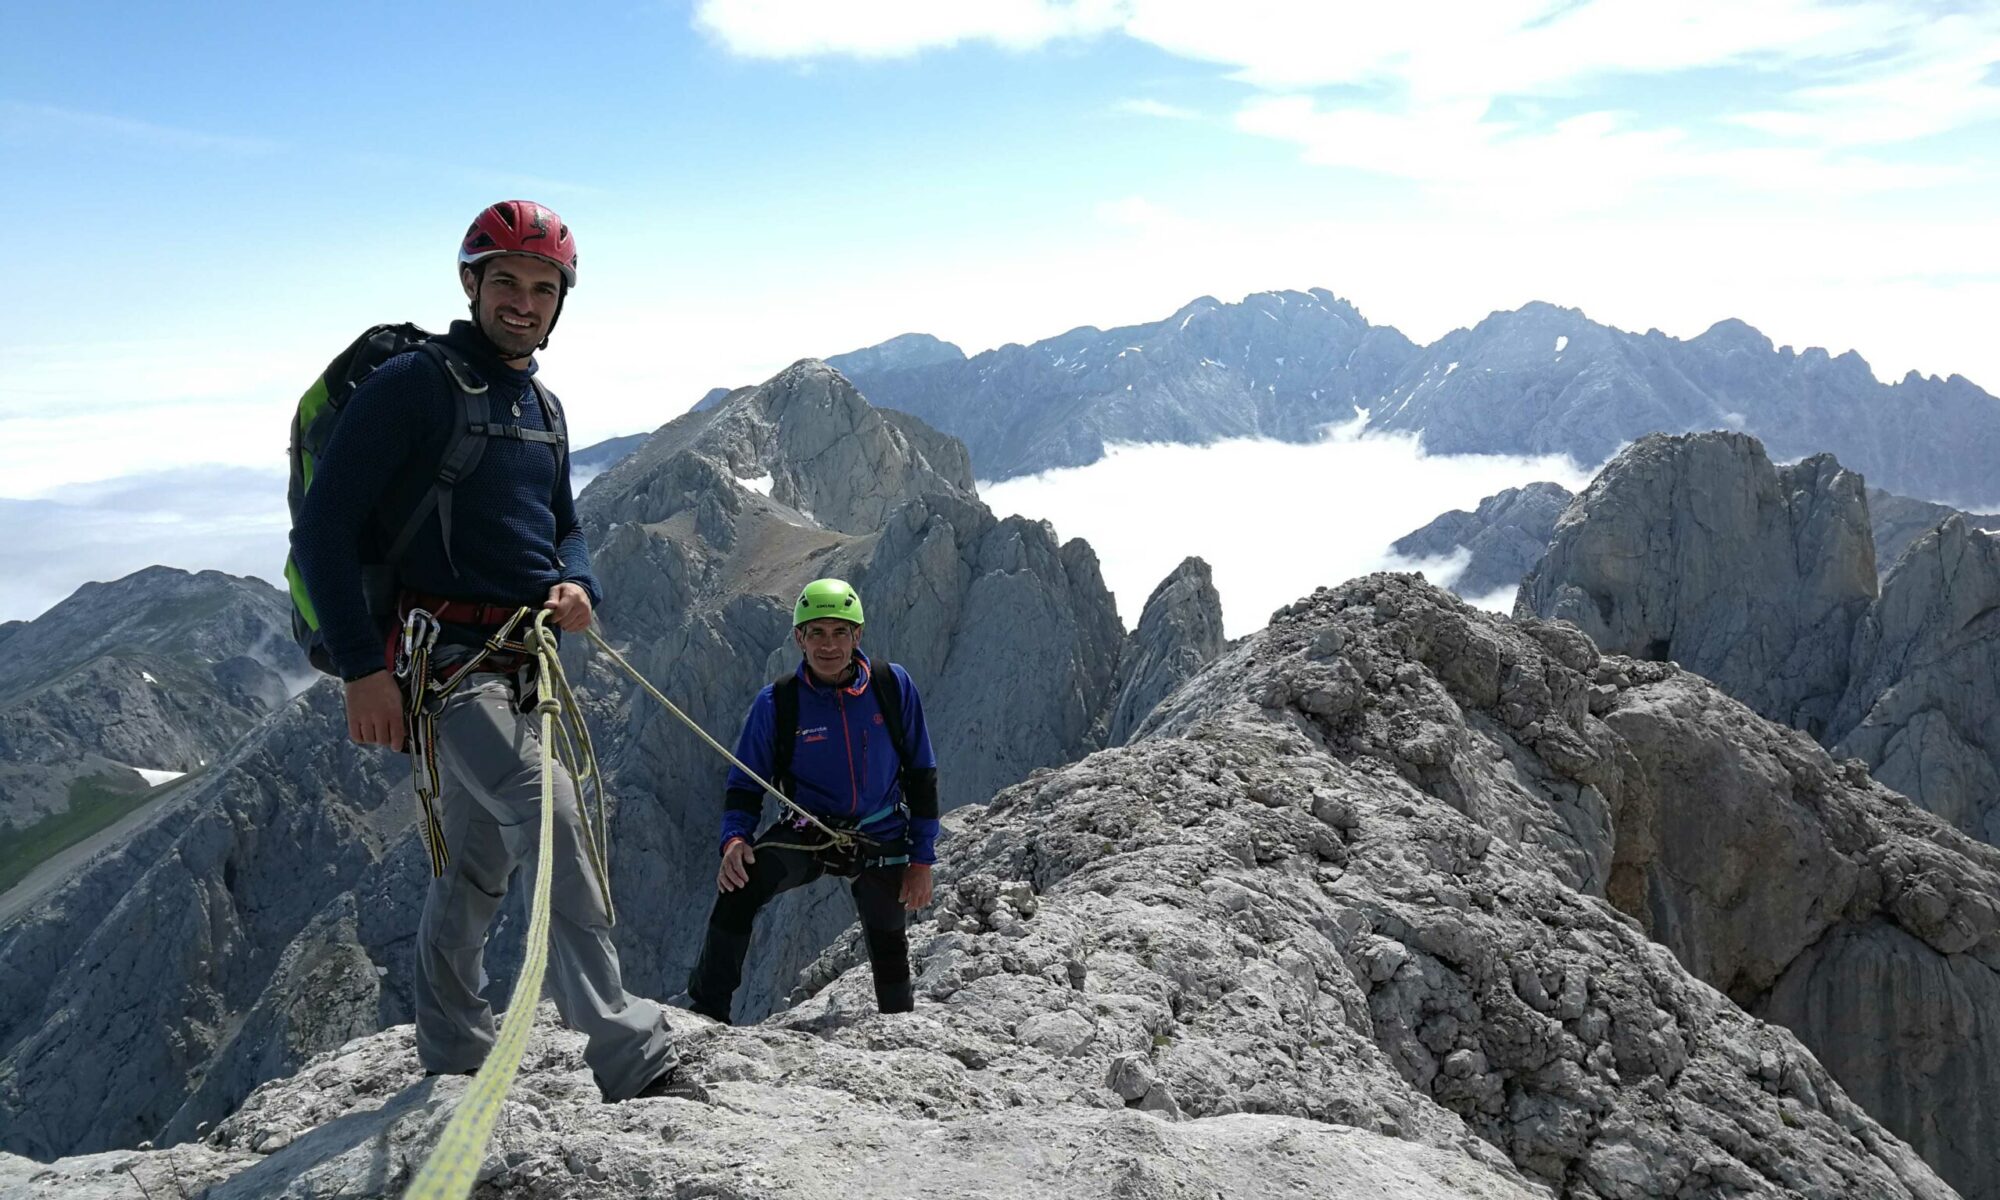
127	982
1503	538
1696	550
1548	380
160	670
1922	706
1898	521
821	449
1329	926
1179	633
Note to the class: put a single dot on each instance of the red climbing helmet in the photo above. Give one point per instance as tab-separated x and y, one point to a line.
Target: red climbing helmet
521	227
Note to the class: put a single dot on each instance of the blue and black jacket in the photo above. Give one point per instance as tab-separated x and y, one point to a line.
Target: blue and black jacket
843	765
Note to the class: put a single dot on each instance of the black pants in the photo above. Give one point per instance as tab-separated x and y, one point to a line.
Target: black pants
877	898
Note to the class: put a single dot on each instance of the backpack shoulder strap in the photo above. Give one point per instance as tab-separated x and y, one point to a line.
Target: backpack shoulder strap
552	416
462	450
784	730
889	698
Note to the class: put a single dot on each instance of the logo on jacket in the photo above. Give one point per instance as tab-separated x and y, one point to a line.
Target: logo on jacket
816	734
878	718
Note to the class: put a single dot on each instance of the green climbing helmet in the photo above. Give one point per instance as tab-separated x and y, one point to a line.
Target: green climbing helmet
827	598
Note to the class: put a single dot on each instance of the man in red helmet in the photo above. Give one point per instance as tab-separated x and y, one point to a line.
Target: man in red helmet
504	535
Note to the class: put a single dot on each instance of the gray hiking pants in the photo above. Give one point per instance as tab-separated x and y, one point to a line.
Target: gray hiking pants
490	758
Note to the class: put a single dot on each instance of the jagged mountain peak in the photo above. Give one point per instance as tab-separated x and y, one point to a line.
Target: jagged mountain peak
805	438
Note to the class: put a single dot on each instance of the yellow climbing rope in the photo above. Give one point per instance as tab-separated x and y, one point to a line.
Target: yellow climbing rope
453	1165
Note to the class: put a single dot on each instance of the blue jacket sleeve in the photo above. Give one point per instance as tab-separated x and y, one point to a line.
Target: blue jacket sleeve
377	435
743	801
921	780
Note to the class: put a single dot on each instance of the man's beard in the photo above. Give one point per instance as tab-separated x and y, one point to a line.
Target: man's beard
512	343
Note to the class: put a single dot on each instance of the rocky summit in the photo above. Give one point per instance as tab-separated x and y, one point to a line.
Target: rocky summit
1353	915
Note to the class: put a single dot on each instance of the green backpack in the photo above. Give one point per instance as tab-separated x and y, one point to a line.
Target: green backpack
312	428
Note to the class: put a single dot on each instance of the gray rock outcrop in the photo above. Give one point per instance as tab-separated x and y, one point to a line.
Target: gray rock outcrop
1758	578
161	670
229	939
1503	538
1922	706
1179	633
1695	549
1898	521
1336	922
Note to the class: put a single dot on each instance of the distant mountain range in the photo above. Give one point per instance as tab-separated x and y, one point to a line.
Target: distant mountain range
1537	380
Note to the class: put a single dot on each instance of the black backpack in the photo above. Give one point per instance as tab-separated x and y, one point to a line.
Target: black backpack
888	692
313	423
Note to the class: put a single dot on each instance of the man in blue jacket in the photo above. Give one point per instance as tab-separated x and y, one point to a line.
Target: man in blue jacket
515	542
847	768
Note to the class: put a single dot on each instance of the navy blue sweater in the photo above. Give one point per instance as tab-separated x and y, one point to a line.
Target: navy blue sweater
514	532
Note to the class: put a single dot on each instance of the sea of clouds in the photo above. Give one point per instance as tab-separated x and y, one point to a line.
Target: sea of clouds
1273	519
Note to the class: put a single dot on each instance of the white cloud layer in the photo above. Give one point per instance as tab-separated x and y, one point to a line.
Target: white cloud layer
195	518
1274	520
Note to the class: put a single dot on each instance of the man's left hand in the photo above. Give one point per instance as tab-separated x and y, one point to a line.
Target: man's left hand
916	886
571	606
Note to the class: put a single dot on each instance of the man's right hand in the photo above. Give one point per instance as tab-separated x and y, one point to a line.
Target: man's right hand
736	860
375	711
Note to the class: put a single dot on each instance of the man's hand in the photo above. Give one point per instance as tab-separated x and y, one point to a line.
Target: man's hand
375	711
916	886
571	606
735	871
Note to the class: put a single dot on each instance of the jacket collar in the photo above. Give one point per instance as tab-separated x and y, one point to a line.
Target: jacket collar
862	673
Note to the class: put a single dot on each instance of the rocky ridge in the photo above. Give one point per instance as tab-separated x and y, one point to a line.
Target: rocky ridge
1502	539
1346	916
1537	380
1510	532
161	670
1278	364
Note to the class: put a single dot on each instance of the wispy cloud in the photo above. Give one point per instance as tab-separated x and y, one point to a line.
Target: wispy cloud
19	122
791	29
1416	91
1156	108
1342	500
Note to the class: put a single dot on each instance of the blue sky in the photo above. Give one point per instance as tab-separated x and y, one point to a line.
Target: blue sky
216	197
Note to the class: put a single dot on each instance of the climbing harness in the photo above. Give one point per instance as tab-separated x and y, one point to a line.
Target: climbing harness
426	687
